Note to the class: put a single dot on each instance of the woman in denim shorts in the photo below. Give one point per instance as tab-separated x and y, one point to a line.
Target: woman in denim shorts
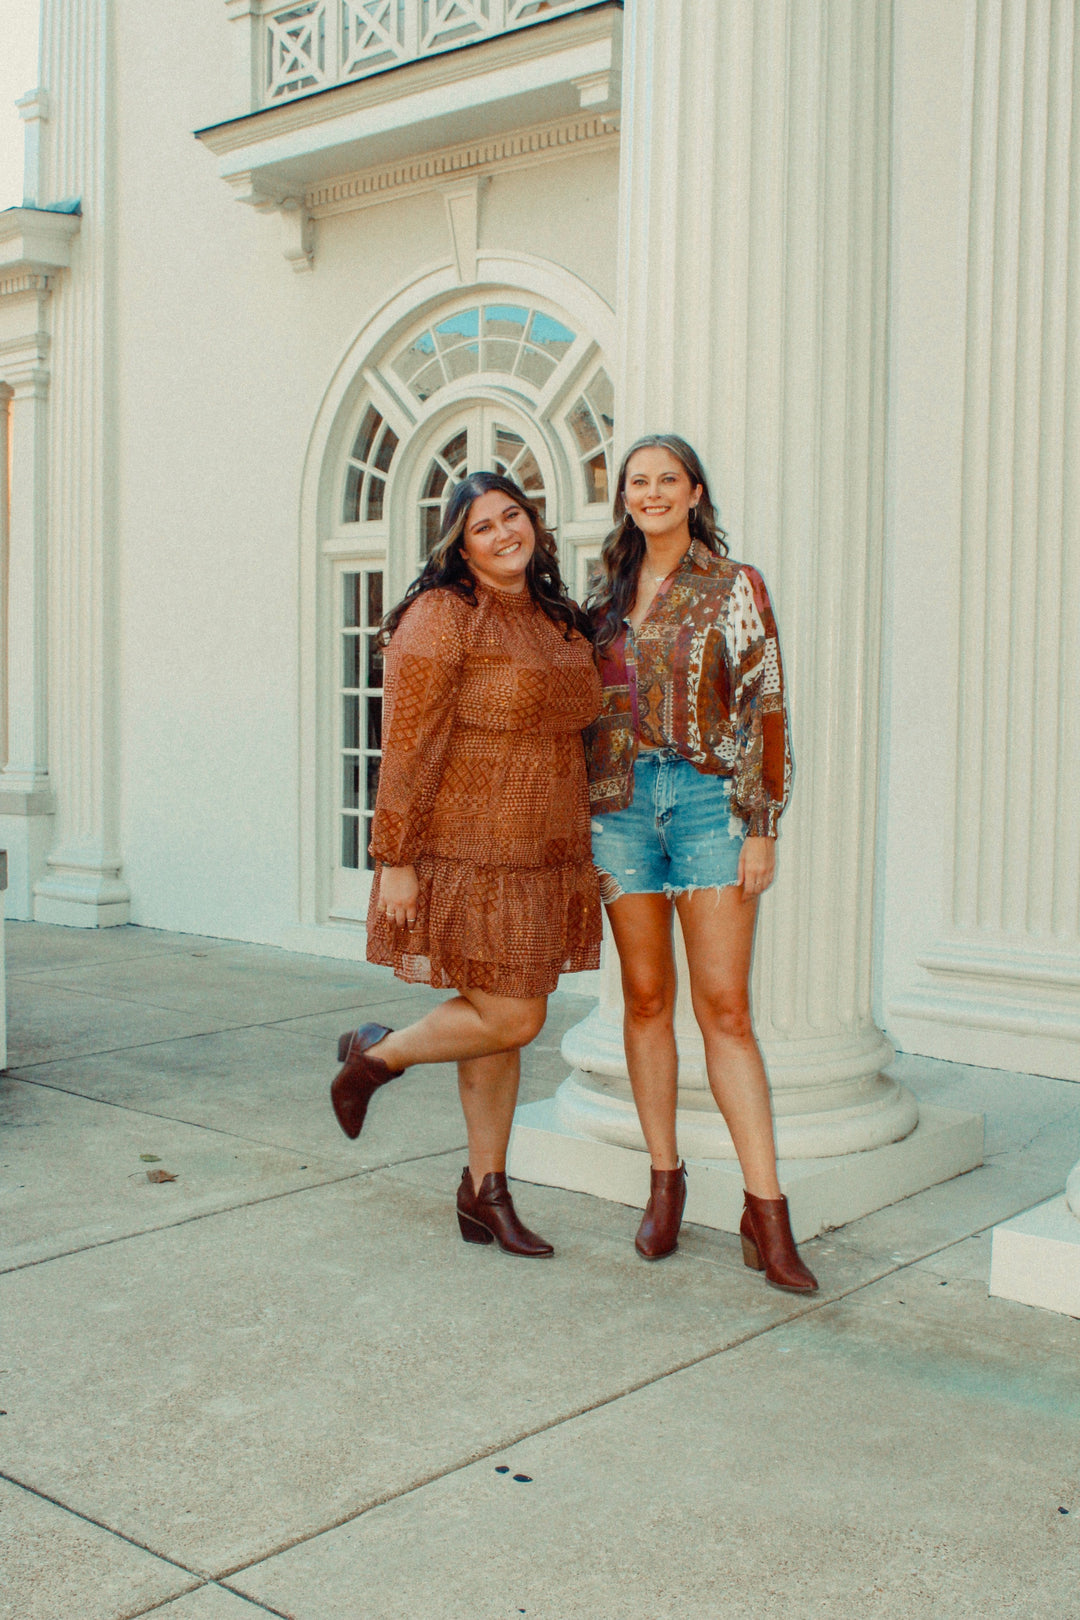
689	772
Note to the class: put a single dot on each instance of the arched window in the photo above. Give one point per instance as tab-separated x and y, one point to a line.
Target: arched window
499	382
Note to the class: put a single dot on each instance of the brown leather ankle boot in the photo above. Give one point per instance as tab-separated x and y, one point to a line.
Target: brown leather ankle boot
489	1216
658	1234
767	1245
361	1077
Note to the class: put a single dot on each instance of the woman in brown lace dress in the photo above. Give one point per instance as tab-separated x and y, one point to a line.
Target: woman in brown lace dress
484	880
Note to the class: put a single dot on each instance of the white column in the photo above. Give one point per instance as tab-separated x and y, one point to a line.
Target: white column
83	885
753	321
752	308
26	802
994	973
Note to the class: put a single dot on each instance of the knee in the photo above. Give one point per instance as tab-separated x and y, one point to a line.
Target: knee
727	1013
645	1002
521	1026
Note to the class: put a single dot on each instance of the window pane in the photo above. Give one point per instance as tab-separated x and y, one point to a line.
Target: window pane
430	523
550	335
455	452
429	380
350	722
451	331
371	766
387	445
354	479
416	355
375	496
374	599
601	396
527	474
350	599
461	362
350	782
505	321
583	427
350	661
499	355
596	477
436	478
362	448
374	722
350	842
535	367
369	859
508	446
374	662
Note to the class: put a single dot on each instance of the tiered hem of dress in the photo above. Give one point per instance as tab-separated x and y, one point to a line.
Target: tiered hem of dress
509	932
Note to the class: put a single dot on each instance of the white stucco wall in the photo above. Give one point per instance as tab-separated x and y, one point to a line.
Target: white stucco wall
224	357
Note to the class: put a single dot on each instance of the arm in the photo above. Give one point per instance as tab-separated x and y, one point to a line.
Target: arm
761	786
424	662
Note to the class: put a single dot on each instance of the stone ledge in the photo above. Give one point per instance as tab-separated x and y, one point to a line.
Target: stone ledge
822	1193
1035	1258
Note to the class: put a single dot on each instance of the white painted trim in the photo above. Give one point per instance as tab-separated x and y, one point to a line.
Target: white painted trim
413	302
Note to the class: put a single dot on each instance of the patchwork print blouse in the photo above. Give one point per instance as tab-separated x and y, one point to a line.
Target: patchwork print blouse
702	675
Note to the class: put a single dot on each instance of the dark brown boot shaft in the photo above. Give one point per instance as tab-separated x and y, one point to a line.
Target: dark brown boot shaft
768	1245
658	1234
489	1215
361	1077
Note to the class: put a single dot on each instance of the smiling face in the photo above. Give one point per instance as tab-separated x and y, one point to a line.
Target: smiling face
498	540
658	493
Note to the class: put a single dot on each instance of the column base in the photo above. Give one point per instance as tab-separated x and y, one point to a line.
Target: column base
1035	1258
82	894
822	1193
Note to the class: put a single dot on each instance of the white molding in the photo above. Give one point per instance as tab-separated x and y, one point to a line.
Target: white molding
505	83
35	241
461	201
524	148
412	303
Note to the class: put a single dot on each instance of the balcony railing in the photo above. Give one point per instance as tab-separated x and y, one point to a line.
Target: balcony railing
312	44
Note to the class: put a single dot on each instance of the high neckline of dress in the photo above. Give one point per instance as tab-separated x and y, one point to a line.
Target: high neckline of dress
511	599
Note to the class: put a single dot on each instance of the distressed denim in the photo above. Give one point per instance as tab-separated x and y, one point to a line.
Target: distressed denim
677	834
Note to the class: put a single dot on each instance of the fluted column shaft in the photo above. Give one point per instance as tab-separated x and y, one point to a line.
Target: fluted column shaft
83	884
752	316
25	767
995	975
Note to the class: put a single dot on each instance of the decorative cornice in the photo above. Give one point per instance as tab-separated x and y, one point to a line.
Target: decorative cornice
26	281
521	148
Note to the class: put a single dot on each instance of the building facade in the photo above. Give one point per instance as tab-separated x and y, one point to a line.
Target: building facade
286	271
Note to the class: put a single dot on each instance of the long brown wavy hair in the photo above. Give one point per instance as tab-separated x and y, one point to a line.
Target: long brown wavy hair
613	597
448	568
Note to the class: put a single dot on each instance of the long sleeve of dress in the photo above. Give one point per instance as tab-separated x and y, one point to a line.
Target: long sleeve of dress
423	671
761	785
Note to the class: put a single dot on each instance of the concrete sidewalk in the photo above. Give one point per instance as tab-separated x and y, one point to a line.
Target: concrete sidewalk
282	1384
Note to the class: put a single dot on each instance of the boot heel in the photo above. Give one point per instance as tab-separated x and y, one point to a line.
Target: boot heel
343	1045
751	1256
472	1231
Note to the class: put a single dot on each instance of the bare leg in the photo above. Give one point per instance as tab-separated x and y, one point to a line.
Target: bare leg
641	924
488	1087
472	1024
718	927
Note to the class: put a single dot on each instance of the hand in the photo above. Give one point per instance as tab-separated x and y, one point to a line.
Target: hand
757	866
398	890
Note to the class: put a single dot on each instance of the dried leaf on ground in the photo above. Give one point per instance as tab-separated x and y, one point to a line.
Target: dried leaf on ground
160	1175
150	1158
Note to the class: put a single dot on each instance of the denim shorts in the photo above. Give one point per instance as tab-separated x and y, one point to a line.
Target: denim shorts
679	832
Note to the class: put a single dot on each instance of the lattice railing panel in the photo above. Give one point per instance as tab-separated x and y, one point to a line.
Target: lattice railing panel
445	23
296	49
373	36
310	44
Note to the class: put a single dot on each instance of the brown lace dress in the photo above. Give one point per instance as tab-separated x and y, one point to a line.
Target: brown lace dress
482	789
